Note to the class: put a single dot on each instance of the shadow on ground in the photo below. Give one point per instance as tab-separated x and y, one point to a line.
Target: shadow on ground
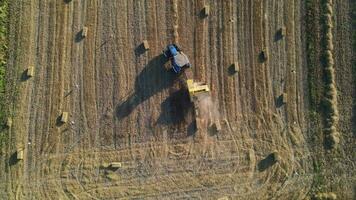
266	163
13	159
279	101
152	79
177	106
79	36
140	49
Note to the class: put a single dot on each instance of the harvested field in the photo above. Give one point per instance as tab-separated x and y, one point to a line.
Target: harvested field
124	106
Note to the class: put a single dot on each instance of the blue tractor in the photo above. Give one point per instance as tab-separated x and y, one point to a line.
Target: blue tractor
178	58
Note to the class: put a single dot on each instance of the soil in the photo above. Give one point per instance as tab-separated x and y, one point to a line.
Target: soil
125	106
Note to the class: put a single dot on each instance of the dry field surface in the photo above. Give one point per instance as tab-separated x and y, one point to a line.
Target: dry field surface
125	107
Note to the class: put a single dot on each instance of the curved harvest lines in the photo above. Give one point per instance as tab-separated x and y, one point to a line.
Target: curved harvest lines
88	77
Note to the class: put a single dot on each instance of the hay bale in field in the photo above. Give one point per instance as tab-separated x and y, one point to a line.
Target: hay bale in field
115	165
206	11
284	98
236	67
84	32
19	154
326	196
64	117
145	45
105	165
30	71
9	122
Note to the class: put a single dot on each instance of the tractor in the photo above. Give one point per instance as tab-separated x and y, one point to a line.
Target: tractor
178	59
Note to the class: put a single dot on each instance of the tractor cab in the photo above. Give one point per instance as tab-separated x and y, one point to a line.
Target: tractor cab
178	59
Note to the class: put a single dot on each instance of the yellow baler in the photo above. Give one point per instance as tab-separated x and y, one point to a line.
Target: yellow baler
195	88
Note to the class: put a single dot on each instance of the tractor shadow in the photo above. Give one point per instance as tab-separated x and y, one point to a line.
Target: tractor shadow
152	79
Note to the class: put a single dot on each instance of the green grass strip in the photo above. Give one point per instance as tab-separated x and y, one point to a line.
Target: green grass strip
3	58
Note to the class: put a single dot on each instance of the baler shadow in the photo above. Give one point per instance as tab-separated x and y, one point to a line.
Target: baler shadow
175	108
